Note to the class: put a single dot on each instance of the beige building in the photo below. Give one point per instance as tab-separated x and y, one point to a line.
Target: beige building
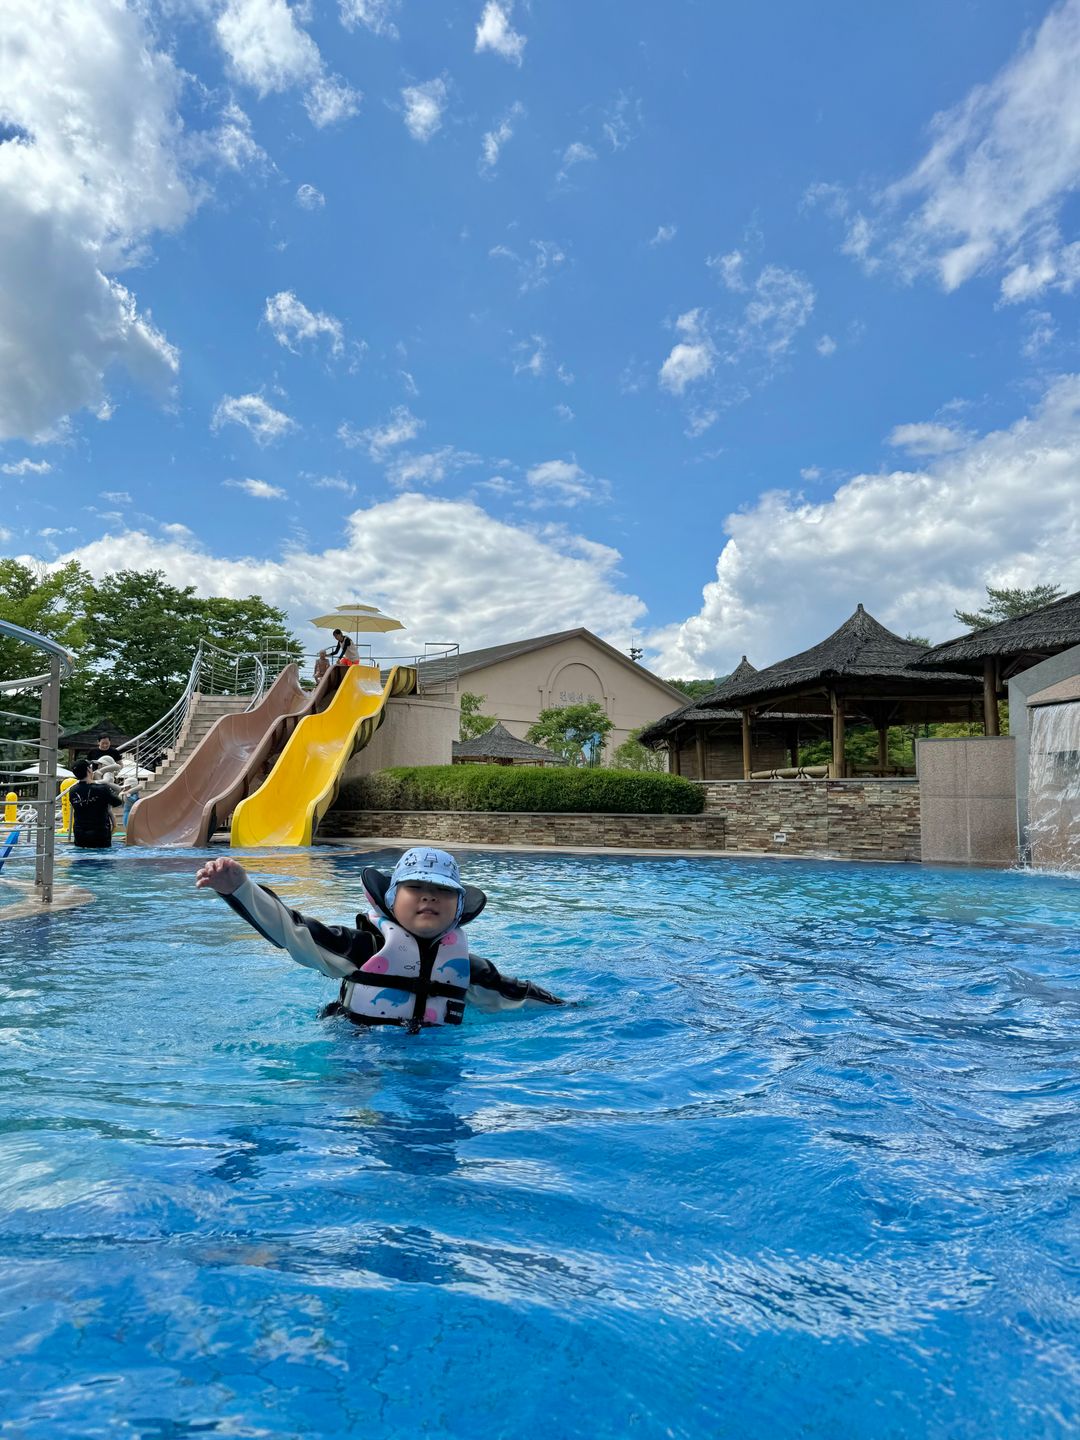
571	667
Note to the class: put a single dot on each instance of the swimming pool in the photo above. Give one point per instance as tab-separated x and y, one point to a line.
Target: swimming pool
800	1160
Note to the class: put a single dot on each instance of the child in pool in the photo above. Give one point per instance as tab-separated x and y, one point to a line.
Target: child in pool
407	961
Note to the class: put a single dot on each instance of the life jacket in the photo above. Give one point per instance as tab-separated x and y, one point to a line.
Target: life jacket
407	981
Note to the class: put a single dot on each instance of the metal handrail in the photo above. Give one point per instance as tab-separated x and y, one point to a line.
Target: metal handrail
164	736
52	648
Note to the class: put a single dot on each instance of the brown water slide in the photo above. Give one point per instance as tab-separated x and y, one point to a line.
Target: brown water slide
230	761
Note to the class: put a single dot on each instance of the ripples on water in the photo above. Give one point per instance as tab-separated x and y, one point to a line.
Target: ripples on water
799	1160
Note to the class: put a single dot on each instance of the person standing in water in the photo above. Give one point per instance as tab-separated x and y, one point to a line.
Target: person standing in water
91	809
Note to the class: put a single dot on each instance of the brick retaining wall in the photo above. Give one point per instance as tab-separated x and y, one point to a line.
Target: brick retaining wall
505	827
842	819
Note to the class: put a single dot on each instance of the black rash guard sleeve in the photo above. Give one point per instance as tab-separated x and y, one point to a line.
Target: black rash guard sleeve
491	990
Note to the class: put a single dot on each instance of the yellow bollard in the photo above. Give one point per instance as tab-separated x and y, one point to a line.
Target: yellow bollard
65	804
11	808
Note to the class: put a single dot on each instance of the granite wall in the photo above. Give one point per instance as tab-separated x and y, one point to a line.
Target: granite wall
835	819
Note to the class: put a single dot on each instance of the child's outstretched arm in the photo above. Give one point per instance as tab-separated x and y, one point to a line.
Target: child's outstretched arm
333	950
489	989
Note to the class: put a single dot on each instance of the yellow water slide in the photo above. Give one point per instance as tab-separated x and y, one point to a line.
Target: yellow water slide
301	787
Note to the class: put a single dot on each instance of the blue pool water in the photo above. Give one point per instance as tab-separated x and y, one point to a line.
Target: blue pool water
801	1159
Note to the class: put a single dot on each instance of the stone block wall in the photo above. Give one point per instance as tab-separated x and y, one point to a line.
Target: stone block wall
968	790
503	827
837	819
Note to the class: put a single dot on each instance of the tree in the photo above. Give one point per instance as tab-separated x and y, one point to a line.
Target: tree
51	603
1008	604
694	689
576	732
632	755
473	723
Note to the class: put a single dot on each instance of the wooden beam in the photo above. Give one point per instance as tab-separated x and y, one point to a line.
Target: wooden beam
746	744
673	755
883	748
699	741
990	707
793	743
836	769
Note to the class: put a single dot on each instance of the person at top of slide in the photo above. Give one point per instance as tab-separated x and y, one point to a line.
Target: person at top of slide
406	962
344	651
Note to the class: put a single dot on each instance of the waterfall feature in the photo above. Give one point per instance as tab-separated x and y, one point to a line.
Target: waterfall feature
1054	792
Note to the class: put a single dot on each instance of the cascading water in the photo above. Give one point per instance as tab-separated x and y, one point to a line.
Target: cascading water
1054	790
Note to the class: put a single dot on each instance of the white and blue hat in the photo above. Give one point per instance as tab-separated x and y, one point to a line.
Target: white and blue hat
424	866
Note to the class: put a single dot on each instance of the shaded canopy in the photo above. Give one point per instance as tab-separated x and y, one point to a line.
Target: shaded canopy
862	663
1026	639
661	730
499	745
87	738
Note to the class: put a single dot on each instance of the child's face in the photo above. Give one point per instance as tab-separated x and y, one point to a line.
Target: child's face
424	910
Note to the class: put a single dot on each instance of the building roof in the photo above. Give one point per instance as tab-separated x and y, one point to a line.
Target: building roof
91	734
498	744
1047	631
434	671
660	729
861	659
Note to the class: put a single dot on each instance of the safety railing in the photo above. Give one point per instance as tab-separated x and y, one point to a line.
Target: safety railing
437	667
39	748
214	671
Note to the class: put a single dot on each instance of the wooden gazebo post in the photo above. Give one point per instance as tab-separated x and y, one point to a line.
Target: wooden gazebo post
837	766
746	744
990	708
699	741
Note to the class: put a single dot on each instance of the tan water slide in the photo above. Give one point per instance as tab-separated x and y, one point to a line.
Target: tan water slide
229	763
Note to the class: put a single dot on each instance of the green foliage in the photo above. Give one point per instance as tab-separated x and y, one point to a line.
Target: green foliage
1008	605
632	755
51	603
695	689
576	732
525	788
918	640
473	723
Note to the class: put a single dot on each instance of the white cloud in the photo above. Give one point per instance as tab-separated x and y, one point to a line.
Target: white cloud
988	194
564	412
330	100
258	489
377	15
399	429
577	153
424	105
564	482
692	358
291	323
537	268
912	545
700	421
308	198
115	497
175	531
1041	331
26	467
494	32
664	234
406	471
810	472
234	144
266	47
729	269
531	357
781	303
621	122
494	140
928	438
252	412
334	482
516	582
826	346
99	169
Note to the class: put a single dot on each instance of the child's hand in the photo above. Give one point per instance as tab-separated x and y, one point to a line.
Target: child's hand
222	875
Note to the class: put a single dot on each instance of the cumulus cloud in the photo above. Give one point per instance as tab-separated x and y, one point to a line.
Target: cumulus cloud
728	269
234	144
912	545
377	15
781	303
308	198
691	358
260	419
564	482
494	140
826	346
292	323
401	427
544	259
424	106
495	33
330	100
927	438
26	467
516	582
257	489
82	189
268	49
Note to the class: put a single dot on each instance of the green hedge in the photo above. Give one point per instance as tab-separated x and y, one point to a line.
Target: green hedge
524	787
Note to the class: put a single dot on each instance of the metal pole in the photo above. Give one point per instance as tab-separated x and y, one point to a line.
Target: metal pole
45	855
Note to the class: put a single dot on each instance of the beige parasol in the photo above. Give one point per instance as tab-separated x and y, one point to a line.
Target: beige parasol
356	618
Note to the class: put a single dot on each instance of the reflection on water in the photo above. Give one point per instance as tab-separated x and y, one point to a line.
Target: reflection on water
807	1138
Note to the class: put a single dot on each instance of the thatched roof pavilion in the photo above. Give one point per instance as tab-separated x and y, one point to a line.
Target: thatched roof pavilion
498	747
1003	650
861	671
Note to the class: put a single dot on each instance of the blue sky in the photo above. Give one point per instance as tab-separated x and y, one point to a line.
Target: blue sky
692	323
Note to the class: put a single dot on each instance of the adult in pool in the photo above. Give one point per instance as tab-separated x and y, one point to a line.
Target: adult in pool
406	962
91	809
